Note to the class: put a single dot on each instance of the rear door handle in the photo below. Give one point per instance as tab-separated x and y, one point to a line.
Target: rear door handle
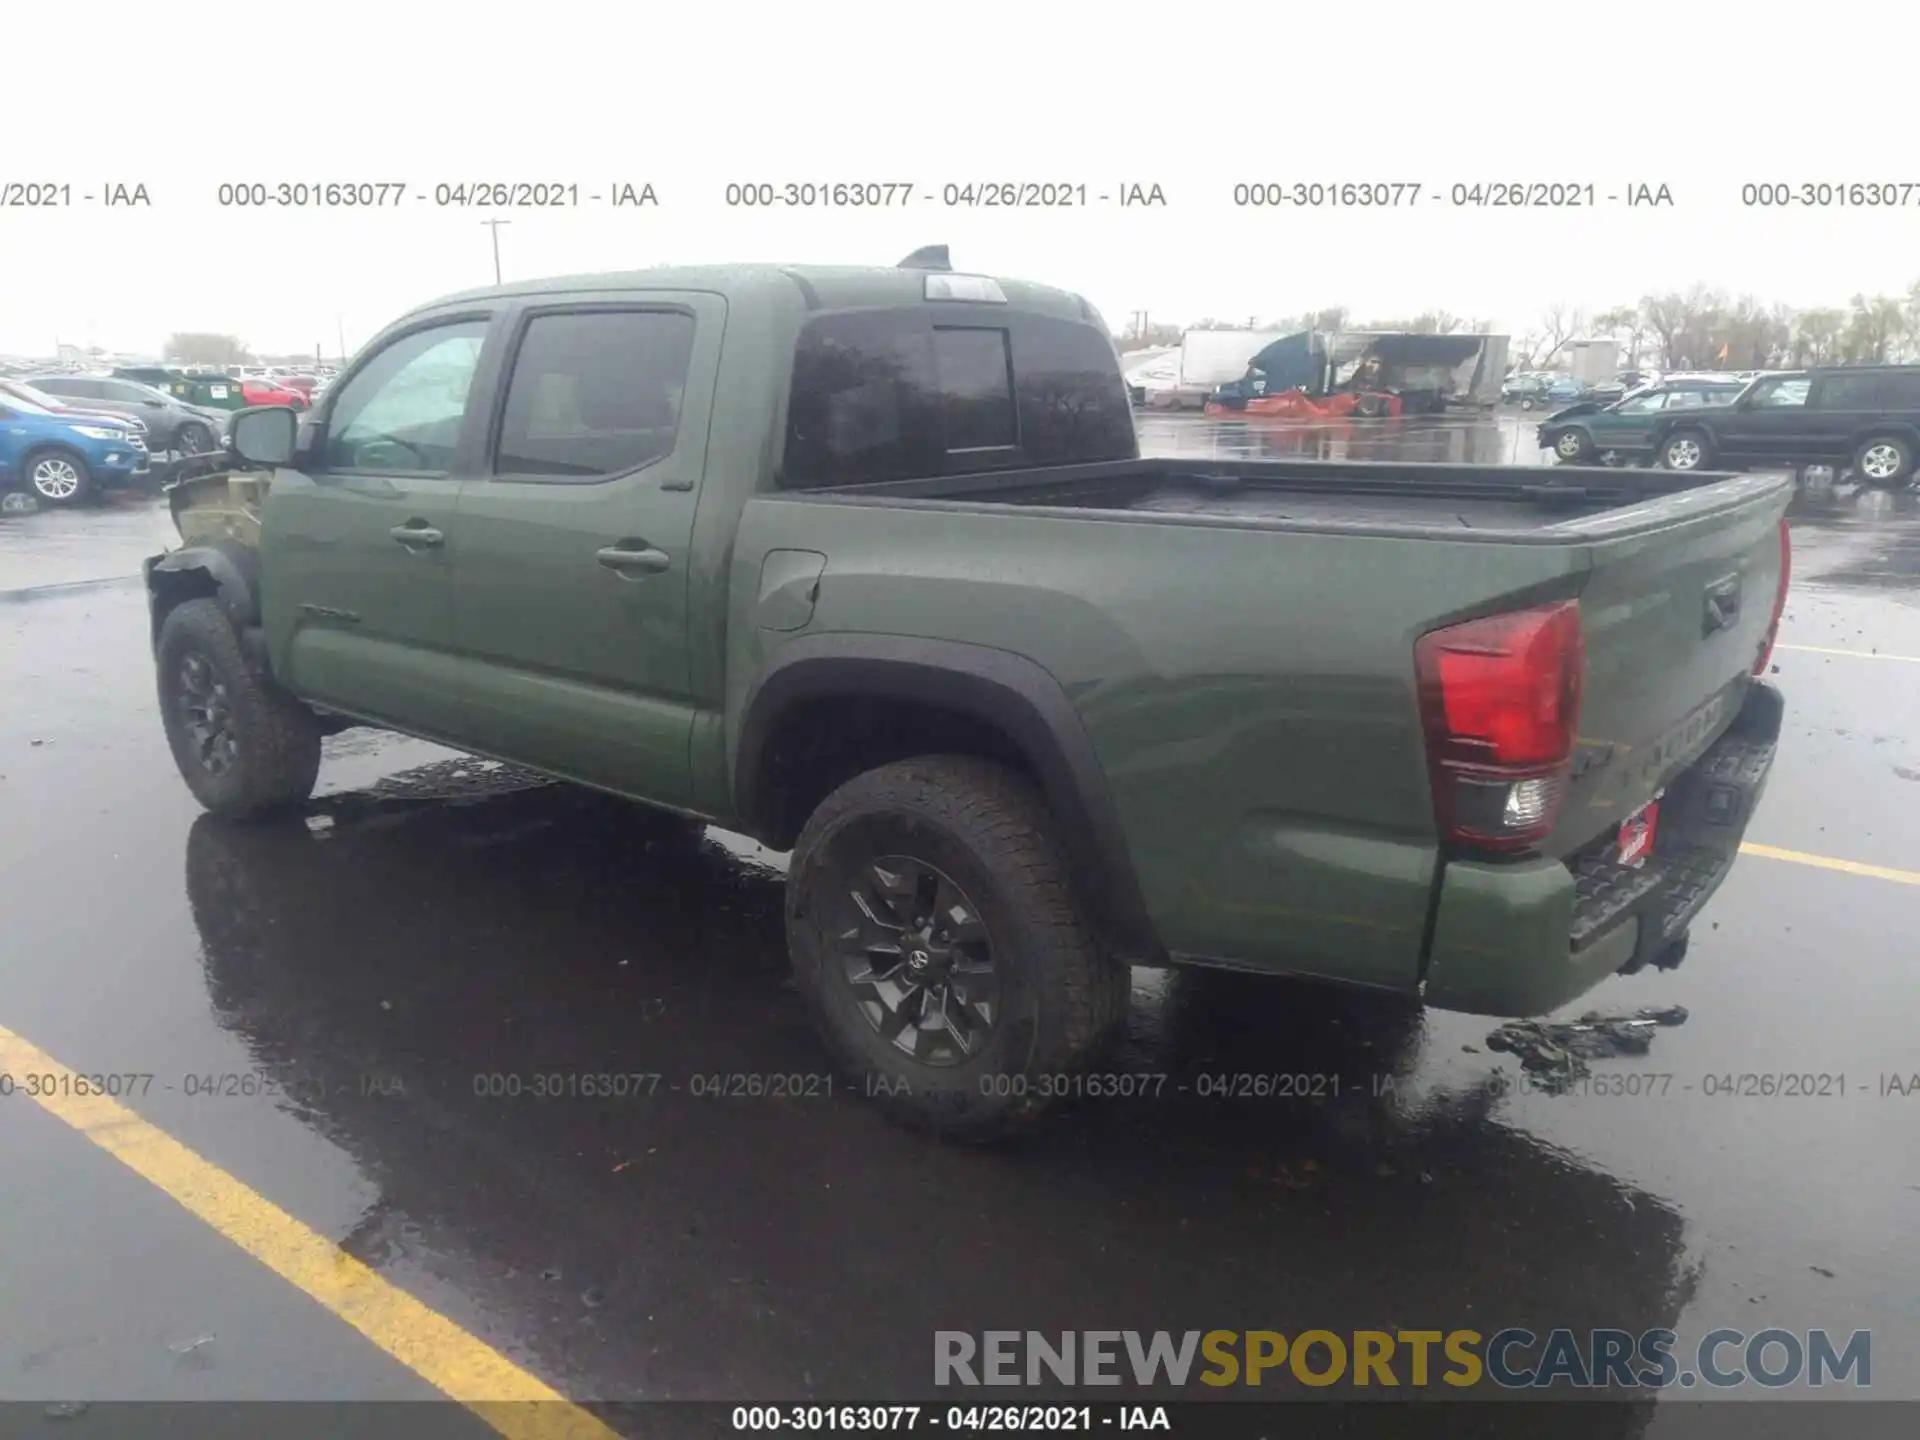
633	558
418	537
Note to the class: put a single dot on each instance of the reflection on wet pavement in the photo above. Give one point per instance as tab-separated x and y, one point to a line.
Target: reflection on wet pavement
443	948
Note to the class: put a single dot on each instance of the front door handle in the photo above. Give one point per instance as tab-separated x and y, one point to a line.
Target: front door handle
418	537
633	558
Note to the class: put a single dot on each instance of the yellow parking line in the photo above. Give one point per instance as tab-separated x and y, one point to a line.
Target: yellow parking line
1827	862
1855	654
460	1365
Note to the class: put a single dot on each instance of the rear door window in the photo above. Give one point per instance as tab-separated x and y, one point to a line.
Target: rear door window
1780	394
595	393
1900	390
1850	392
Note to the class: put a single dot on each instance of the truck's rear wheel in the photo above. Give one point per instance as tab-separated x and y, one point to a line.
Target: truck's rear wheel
244	746
937	937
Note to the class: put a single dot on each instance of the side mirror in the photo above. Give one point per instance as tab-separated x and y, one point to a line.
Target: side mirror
263	435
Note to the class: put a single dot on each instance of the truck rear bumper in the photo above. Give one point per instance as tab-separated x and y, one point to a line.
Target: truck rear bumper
1525	938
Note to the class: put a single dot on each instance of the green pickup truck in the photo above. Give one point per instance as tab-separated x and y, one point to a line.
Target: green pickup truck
865	564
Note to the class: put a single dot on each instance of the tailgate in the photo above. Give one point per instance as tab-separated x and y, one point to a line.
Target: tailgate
1674	613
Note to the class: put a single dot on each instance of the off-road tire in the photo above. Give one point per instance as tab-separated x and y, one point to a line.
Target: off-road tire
1699	438
1875	446
988	829
83	476
276	738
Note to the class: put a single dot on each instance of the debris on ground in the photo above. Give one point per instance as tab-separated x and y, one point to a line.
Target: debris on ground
1556	1053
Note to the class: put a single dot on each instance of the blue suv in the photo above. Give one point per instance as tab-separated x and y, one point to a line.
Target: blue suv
62	459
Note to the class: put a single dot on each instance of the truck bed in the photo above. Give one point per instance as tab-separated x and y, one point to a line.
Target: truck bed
1112	569
1507	501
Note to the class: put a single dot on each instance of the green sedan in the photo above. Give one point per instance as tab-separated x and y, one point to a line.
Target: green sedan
1622	432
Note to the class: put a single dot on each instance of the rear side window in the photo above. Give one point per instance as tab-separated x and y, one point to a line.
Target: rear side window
1850	392
595	393
1779	394
905	394
1900	390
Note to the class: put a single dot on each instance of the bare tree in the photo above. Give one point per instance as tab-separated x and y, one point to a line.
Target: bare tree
1626	325
1749	335
1816	336
1667	317
1877	324
196	347
1559	324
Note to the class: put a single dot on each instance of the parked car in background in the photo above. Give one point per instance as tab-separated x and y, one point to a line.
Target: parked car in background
1863	418
63	459
171	423
1622	430
304	383
271	392
21	390
158	376
1525	388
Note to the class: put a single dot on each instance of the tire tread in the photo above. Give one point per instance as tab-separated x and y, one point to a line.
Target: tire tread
279	737
1082	991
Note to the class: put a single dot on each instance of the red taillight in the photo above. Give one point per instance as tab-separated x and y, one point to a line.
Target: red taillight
1779	599
1500	701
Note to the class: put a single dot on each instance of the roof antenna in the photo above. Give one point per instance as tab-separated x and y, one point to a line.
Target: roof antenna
927	257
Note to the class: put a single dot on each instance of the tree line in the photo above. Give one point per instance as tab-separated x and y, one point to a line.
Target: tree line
197	347
1699	328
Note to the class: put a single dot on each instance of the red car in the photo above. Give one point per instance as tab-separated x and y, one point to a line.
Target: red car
270	392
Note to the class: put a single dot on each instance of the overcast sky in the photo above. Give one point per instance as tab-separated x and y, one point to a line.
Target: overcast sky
1700	96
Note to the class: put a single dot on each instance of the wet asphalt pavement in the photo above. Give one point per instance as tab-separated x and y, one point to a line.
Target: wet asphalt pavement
438	921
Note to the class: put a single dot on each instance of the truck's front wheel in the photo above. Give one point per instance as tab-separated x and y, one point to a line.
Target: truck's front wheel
244	746
936	934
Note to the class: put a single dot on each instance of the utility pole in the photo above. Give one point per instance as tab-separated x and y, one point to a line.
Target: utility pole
494	225
340	331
